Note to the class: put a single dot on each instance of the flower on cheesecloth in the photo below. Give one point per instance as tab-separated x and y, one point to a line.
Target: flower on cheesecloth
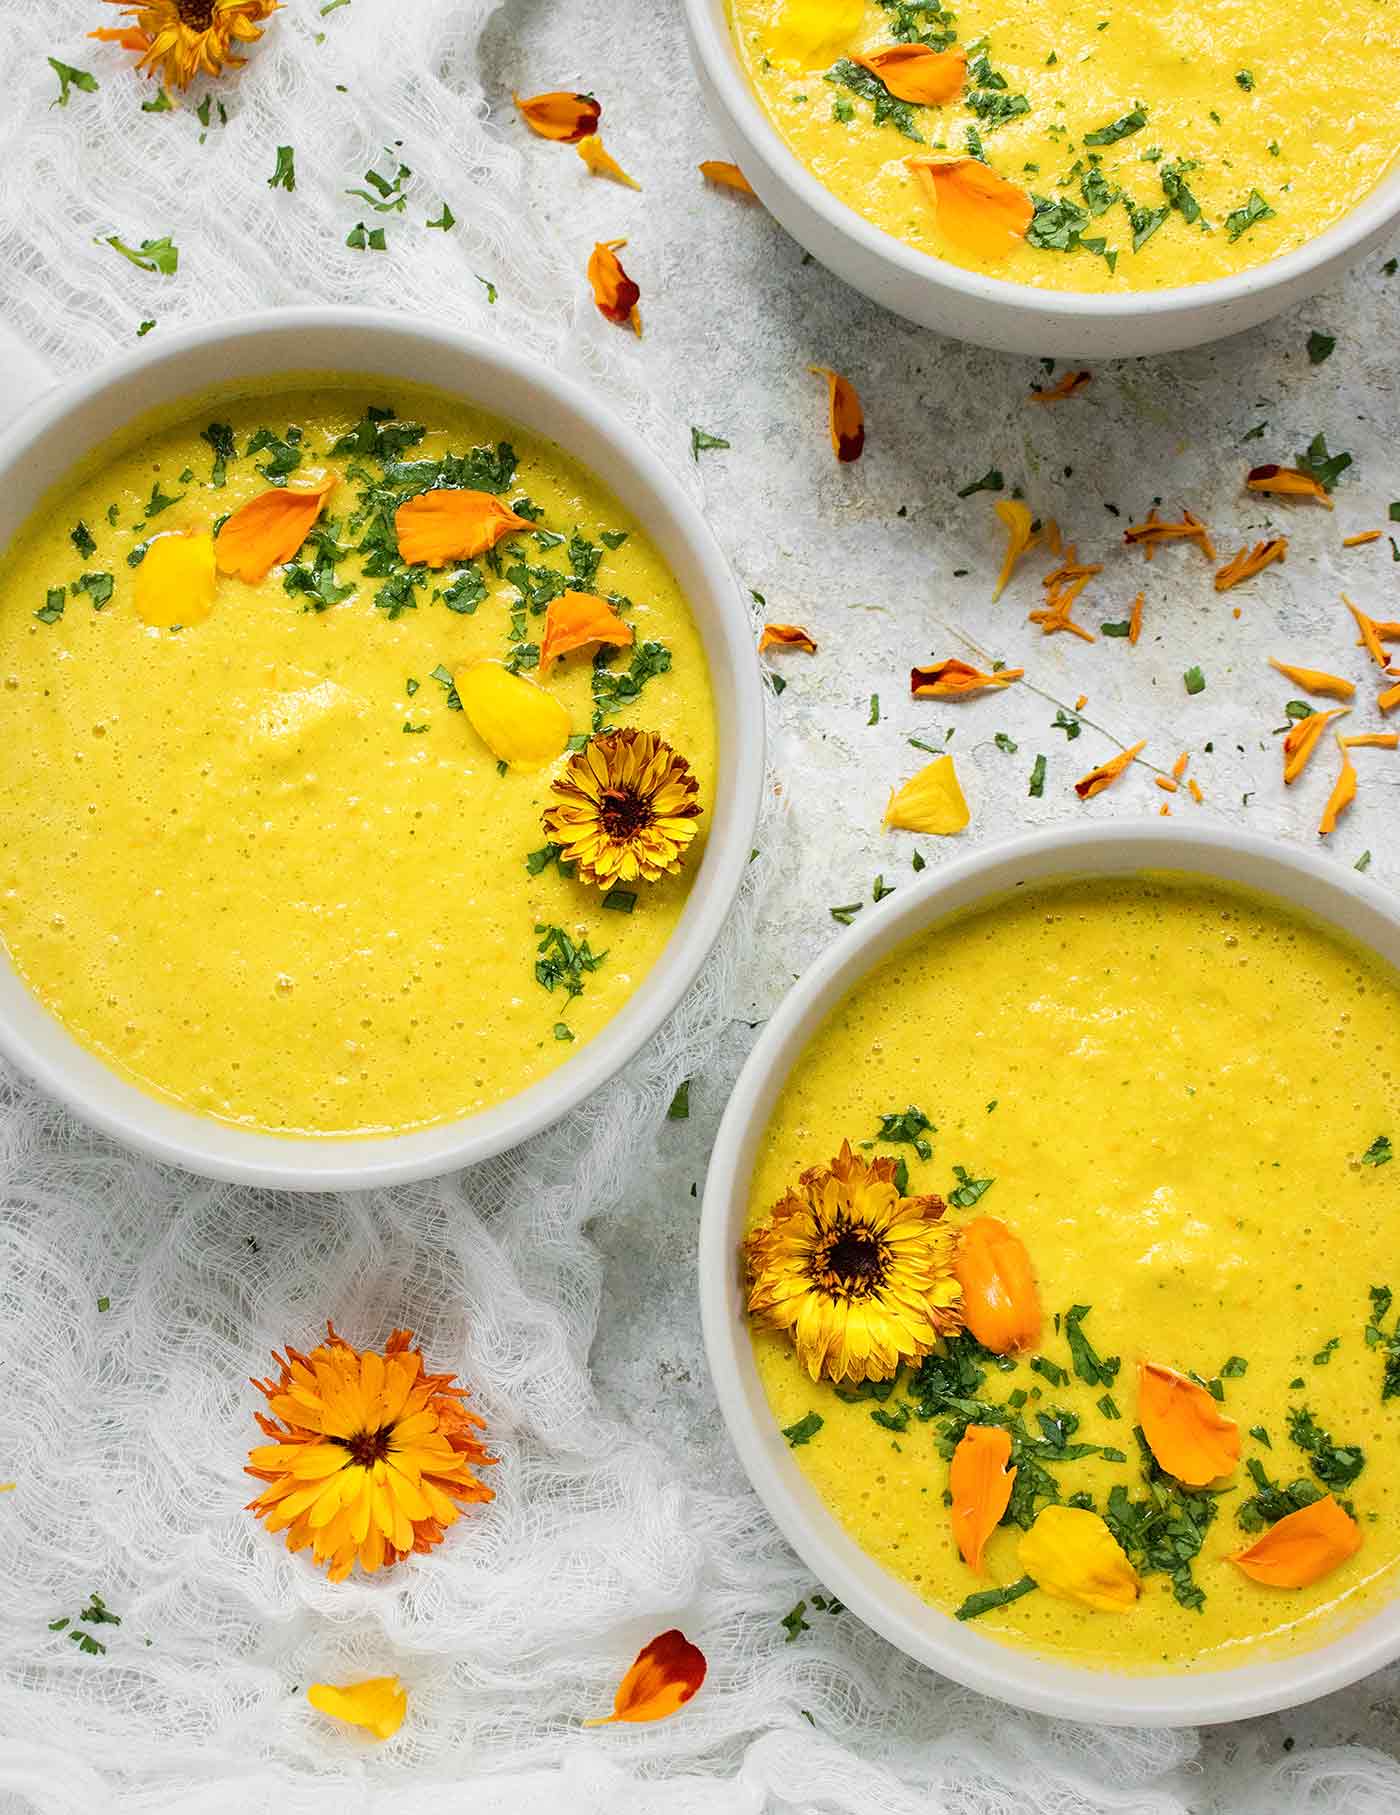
187	38
625	809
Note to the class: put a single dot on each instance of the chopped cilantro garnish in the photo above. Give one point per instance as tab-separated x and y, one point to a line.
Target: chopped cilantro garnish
1122	628
1320	346
69	79
846	913
1195	680
446	221
969	1190
1144	221
1174	187
1363	862
619	901
81	538
679	1107
1379	1153
159	501
701	441
1056	225
1163	1531
804	1430
910	1126
283	453
1244	217
1064	721
564	961
1376	1337
988	1598
1005	744
991	481
1037	787
52	608
1049	1370
161	255
97	586
1108	1405
104	1304
1270	1502
1092	1368
363	239
874	718
284	176
1245	78
143	329
385	194
615	688
793	1622
1121	128
988	96
918	861
1234	1368
97	1613
1327	1351
1336	1465
220	438
889	111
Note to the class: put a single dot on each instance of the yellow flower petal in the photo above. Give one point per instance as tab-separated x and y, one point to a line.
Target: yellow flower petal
812	33
175	582
601	161
1019	537
517	721
1073	1556
379	1703
931	801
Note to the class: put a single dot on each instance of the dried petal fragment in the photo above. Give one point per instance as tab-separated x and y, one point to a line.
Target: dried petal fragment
786	636
1020	537
379	1703
1152	531
812	33
130	37
1370	633
725	175
561	116
1371	740
1302	740
1001	1305
175	582
602	162
847	419
269	529
517	721
1250	561
1315	680
956	680
931	801
1068	384
980	1483
577	618
447	524
1135	621
1342	795
1390	699
666	1675
613	290
1098	779
916	72
1302	1547
1185	1429
977	211
1288	481
1073	1556
1361	538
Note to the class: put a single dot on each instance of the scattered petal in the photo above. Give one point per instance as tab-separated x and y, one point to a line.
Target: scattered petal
1250	561
1062	588
1073	1556
269	529
1069	384
666	1675
786	636
725	176
1315	680
1287	481
516	719
1020	537
1302	1547
1370	634
559	115
1361	538
379	1703
602	162
1154	531
812	33
931	801
1001	1306
130	37
1135	621
625	808
1372	740
980	1482
956	680
1342	795
916	72
1185	1429
1390	699
175	582
1098	779
1302	739
613	290
577	618
448	524
977	211
847	419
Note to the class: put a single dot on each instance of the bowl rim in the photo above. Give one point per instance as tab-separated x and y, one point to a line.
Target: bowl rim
555	408
712	39
1028	1680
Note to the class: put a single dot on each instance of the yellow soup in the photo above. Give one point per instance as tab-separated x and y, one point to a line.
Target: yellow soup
1181	1099
263	864
1157	145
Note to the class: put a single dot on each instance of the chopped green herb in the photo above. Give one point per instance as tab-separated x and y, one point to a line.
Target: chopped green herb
888	110
1056	225
1068	724
562	1031
793	1623
880	889
613	689
1037	787
81	538
220	438
1005	744
1260	1435
1336	1465
1108	1405
910	1126
1174	186
1320	346
845	914
144	329
284	176
1243	218
1363	862
362	239
1245	79
918	861
563	962
1234	1368
52	608
701	441
98	587
445	222
161	255
158	501
1122	628
620	901
1092	1368
69	79
1379	1153
1049	1370
988	1598
874	718
97	1613
679	1109
1163	1531
969	1190
104	1304
1195	680
1270	1502
414	730
991	481
385	194
804	1430
1327	1351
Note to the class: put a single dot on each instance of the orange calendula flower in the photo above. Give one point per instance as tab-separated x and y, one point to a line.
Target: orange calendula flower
448	524
1302	739
1342	795
1250	561
1370	633
516	719
578	618
786	636
977	211
812	33
559	115
666	1675
980	1482
370	1454
1071	1554
1153	531
175	582
602	162
1001	1305
859	1277
1302	1547
1315	680
379	1703
1068	384
1187	1432
188	38
1020	537
915	72
956	680
613	290
845	416
1287	481
931	801
625	809
269	529
725	175
1098	779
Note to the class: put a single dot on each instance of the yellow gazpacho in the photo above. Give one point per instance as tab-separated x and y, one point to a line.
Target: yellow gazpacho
1085	147
1071	1252
359	748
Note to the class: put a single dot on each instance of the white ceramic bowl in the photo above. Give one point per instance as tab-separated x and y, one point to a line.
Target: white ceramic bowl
988	310
64	423
1336	895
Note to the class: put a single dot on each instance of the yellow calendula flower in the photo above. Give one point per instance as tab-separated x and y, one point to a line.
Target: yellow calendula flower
861	1278
1073	1556
626	808
369	1454
379	1703
187	38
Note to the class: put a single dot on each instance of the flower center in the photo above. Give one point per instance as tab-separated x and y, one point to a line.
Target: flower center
623	814
853	1262
368	1447
198	15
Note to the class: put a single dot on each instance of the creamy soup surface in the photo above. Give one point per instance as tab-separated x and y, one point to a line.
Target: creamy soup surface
1183	1097
1159	145
262	864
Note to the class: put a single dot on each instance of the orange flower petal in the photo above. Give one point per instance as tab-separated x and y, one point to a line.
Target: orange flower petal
577	618
602	163
1069	384
1370	633
666	1675
931	801
269	529
130	37
1250	561
1288	481
725	176
978	212
1001	1306
1154	530
1185	1429
786	636
1371	740
1342	795
175	581
1315	680
448	524
1302	1547
915	72
1020	537
613	290
559	115
980	1483
847	419
1302	740
1361	538
1135	621
379	1703
1390	699
1098	779
955	680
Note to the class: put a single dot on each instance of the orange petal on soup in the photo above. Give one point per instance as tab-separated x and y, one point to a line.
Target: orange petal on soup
269	529
1185	1429
1098	779
978	211
725	176
1302	739
1302	1547
450	525
955	680
846	416
613	290
980	1483
1001	1306
602	162
1287	480
914	72
560	115
786	636
666	1675
576	618
1315	680
1342	795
